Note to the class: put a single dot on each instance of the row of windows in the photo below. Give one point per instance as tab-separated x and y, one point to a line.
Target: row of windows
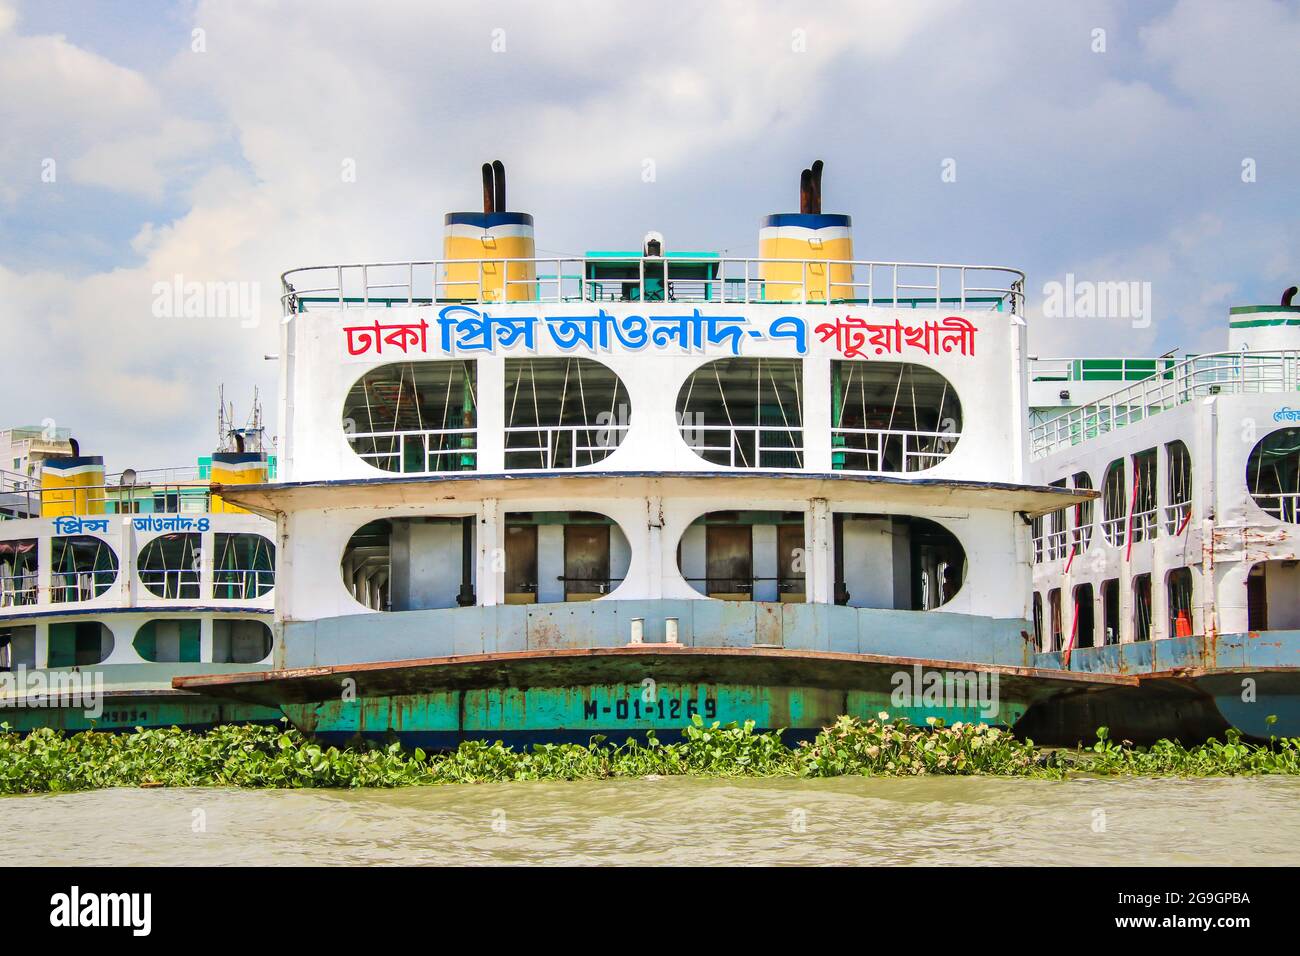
898	562
83	567
1129	501
1095	621
164	640
421	417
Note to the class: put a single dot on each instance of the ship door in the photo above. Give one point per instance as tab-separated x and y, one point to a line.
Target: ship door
521	564
790	563
729	562
586	561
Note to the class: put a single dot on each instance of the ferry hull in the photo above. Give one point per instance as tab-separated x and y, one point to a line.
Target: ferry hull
124	712
572	695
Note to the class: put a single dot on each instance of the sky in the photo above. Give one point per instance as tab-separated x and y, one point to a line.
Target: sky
1156	143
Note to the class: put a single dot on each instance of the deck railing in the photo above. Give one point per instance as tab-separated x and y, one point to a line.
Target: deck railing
679	279
27	500
889	449
1225	373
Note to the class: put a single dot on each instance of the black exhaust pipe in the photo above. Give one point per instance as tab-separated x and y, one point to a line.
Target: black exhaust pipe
489	196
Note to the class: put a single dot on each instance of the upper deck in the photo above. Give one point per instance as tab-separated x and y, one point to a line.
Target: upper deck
677	362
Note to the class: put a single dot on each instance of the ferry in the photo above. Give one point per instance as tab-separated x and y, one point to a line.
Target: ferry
1186	571
112	584
535	498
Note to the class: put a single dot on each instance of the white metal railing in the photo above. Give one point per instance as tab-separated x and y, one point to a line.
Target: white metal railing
550	450
19	590
1284	506
69	587
724	280
176	584
1213	374
1176	514
746	446
1058	544
889	450
436	448
1115	530
32	501
1144	524
242	584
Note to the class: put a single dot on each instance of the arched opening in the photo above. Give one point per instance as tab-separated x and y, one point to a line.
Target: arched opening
240	641
562	412
1178	466
1141	607
169	566
895	561
1038	621
1143	521
1110	611
17	647
81	568
1081	534
1178	587
1271	589
1114	504
414	417
79	643
563	556
1273	474
1084	625
412	564
891	417
744	412
745	555
1055	636
243	567
169	640
18	572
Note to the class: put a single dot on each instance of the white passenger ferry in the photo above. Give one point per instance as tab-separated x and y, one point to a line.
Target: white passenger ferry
113	584
1185	572
532	498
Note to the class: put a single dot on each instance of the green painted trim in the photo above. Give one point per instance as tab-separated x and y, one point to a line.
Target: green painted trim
1247	309
1262	323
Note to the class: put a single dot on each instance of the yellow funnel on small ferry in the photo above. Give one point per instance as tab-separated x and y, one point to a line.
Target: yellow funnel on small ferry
812	243
484	240
72	485
236	468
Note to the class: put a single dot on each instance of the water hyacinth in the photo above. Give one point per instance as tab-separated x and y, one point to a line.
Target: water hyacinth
48	761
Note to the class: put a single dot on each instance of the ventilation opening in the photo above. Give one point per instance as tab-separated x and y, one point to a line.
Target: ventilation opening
1178	511
169	566
896	561
744	413
240	641
1142	607
559	556
1271	590
1110	611
891	417
745	555
170	640
79	644
412	564
1273	474
17	647
1084	625
19	579
414	417
243	567
562	413
82	568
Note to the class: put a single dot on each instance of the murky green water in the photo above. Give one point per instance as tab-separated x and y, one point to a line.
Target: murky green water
674	821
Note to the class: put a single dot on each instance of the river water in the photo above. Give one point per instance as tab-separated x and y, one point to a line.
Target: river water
674	821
